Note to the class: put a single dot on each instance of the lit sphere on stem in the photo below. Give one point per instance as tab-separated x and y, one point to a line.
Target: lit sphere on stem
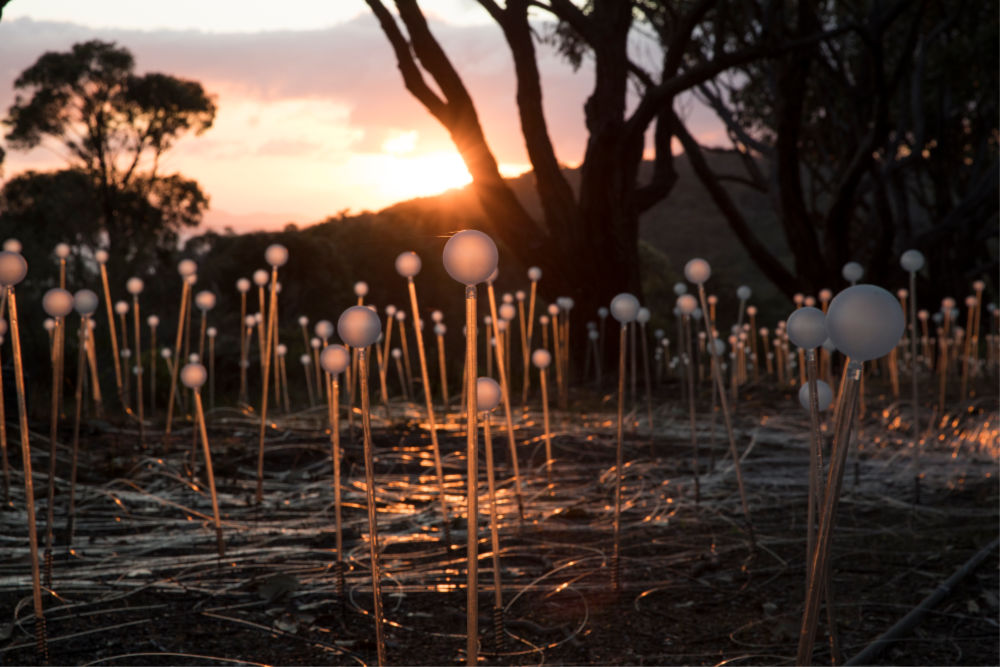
437	316
751	311
697	271
166	353
305	359
400	315
807	327
13	245
191	279
48	324
121	307
390	310
134	286
361	288
687	304
520	295
865	322
541	358
553	310
186	267
204	300
470	257
743	292
825	294
153	321
194	375
487	394
85	301
303	321
720	347
315	343
852	272
396	353
508	311
912	261
680	288
13	268
603	312
643	315
534	274
62	250
243	285
126	353
211	332
509	298
440	329
359	327
624	307
276	255
282	349
408	264
564	303
323	329
824	395
260	277
543	320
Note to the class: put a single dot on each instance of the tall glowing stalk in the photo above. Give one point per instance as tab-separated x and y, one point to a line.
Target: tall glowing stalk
102	259
624	308
134	286
185	268
243	286
85	302
334	361
152	322
487	398
541	359
194	376
13	269
534	275
276	255
408	265
912	261
686	305
470	257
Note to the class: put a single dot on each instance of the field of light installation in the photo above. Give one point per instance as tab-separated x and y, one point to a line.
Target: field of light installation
816	490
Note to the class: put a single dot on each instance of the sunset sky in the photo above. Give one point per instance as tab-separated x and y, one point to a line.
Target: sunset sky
312	114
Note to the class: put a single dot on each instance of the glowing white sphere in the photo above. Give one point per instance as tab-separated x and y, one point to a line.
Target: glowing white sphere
85	301
134	286
543	320
440	329
852	272
743	292
204	300
281	349
323	329
824	395
303	321
687	304
305	359
48	324
186	267
250	320
315	343
865	322
13	245
470	257
126	353
912	261
508	297
62	250
359	327
508	311
260	277
194	375
276	255
191	279
121	307
553	310
534	274
603	312
212	332
697	271
360	288
487	394
13	268
642	316
680	288
807	327
624	307
390	310
541	358
396	353
564	302
166	353
751	310
400	315
243	285
437	316
408	264
520	295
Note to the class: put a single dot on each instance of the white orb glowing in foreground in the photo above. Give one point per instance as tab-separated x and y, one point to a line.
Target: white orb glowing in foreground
541	358
697	271
276	255
359	326
408	264
194	375
13	268
807	327
912	261
470	257
487	394
624	307
824	395
865	322
85	301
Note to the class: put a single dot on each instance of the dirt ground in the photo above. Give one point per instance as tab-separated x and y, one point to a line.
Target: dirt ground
142	582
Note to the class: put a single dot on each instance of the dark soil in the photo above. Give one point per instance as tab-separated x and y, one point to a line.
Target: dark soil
142	582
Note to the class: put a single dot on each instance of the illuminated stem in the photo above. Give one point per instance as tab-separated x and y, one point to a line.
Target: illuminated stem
185	293
333	407
545	423
81	368
615	556
57	376
649	388
366	429
444	371
689	366
472	477
202	431
531	328
114	338
505	395
494	530
266	372
138	367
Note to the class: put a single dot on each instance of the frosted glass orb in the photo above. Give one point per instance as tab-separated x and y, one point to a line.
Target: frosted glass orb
487	394
743	292
13	245
534	274
186	267
520	295
437	316
400	315
751	310
260	277
360	288
852	272
194	375
508	311
390	310
823	393
13	268
912	261
315	343
134	286
624	307
865	322
470	256
603	312
408	264
680	288
204	300
166	353
243	285
212	332
281	349
121	307
564	302
303	321
687	304
305	359
335	359
825	295
359	327
440	329
276	255
553	310
85	301
593	334
508	297
541	358
323	329
720	347
697	271
153	321
62	250
543	320
48	324
642	316
807	327
396	353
